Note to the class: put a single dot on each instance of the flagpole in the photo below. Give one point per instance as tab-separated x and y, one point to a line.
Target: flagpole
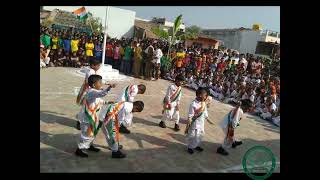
90	23
105	35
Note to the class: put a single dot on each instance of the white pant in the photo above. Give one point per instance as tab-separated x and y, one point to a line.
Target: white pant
276	120
216	94
228	100
194	138
110	140
266	115
85	140
126	122
226	144
44	62
171	114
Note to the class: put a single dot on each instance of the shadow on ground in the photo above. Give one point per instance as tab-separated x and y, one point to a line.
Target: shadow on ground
165	155
52	117
266	124
137	120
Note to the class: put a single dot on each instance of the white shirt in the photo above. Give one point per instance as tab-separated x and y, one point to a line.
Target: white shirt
244	96
199	122
252	98
273	106
170	91
245	62
147	49
93	98
132	92
234	93
236	60
235	121
124	114
157	56
90	72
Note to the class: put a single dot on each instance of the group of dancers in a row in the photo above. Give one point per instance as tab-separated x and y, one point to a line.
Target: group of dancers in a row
114	117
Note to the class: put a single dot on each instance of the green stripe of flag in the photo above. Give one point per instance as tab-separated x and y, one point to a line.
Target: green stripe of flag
83	18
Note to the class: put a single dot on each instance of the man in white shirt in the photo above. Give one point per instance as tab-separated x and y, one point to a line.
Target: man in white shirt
156	63
243	61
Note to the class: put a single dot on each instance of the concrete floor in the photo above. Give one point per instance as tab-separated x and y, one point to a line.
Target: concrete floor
149	148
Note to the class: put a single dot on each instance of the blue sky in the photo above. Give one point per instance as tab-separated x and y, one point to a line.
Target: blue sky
215	17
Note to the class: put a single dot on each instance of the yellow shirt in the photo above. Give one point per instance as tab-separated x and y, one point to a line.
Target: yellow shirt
89	49
121	51
55	43
181	54
137	53
74	45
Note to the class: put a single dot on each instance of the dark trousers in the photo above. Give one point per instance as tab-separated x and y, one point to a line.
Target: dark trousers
130	66
108	60
148	68
116	64
125	67
143	69
155	70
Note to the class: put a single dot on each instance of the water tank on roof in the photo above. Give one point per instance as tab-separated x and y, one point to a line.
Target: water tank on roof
257	27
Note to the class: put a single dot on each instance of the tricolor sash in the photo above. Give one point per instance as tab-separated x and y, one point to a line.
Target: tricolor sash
230	130
172	98
91	114
111	120
82	93
198	113
127	92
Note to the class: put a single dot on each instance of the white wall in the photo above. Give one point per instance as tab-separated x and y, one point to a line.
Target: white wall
249	40
121	23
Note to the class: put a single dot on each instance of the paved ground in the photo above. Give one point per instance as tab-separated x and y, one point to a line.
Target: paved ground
149	148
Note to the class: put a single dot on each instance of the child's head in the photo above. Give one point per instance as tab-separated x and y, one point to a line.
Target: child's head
95	64
95	81
245	104
179	80
141	88
138	106
201	94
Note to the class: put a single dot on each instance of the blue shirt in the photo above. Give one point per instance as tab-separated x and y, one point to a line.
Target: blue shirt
97	50
67	45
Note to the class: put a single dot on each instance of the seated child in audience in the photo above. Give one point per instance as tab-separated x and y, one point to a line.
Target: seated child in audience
61	58
75	60
268	109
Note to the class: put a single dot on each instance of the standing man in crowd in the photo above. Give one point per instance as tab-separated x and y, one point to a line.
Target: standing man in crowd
137	57
149	51
156	63
126	60
109	53
46	39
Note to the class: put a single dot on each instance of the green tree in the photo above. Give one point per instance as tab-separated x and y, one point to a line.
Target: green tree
94	23
191	32
171	37
162	34
47	23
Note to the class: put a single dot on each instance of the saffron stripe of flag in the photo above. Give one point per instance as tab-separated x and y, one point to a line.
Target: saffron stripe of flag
79	11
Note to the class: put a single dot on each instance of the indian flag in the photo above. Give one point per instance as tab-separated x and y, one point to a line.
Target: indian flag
81	13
